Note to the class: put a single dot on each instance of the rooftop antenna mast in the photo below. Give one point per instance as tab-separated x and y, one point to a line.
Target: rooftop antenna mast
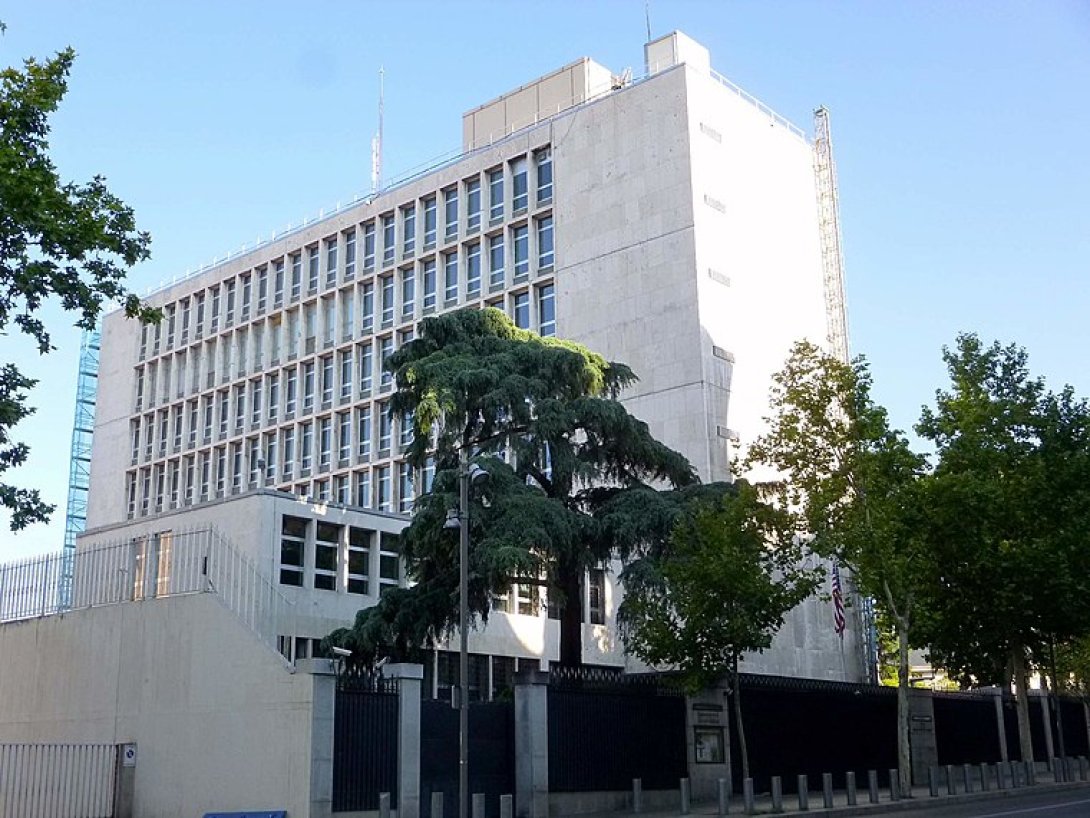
647	17
376	141
832	257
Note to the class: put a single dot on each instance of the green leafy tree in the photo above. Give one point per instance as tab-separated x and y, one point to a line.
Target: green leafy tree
558	504
859	491
720	588
1012	517
65	241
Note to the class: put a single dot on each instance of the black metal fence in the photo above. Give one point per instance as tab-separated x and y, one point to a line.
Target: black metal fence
491	753
365	742
606	729
966	728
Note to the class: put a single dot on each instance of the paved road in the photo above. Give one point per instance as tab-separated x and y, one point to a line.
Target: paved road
1074	804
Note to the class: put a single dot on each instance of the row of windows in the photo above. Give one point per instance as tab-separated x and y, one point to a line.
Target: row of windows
333	261
339	558
295	391
244	352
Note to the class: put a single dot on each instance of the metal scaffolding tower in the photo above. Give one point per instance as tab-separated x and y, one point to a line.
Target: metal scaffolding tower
832	259
79	465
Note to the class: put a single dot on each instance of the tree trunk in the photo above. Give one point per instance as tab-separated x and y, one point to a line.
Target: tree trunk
571	615
1025	737
736	689
904	746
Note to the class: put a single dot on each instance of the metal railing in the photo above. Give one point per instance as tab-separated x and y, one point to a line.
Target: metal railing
57	780
161	564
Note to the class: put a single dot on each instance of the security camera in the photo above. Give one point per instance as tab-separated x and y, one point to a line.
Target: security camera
342	652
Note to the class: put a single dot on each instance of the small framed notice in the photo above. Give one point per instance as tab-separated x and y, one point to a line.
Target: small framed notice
709	745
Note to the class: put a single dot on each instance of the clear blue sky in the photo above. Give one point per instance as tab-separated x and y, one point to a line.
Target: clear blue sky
960	128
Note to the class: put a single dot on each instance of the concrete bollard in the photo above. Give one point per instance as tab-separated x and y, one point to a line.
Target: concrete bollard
722	791
777	794
872	785
437	805
1016	774
683	786
1001	781
477	809
849	788
894	785
985	778
747	796
951	787
967	777
1084	768
933	781
803	788
637	795
1056	765
1031	773
507	806
384	805
827	790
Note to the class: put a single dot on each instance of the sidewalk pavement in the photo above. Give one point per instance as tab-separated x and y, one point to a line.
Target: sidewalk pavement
920	799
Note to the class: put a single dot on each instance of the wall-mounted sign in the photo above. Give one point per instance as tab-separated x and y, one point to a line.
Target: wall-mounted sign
709	745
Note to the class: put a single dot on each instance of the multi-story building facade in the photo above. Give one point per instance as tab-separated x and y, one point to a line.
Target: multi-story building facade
670	223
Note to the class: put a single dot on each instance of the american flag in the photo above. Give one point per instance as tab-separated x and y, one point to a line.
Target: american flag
838	603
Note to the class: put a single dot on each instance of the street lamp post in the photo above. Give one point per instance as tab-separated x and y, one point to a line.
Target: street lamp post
467	473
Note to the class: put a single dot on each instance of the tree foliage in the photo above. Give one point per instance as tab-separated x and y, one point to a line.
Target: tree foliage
58	240
858	490
567	464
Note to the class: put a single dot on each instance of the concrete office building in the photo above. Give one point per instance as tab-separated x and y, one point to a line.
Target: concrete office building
670	222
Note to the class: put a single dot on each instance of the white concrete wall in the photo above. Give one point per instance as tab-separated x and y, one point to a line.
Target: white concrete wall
219	723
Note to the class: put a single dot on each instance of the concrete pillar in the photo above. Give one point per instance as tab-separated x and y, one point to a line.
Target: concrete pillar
921	733
708	741
1046	721
532	744
323	702
409	679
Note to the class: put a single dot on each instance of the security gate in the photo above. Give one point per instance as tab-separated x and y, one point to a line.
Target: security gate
58	780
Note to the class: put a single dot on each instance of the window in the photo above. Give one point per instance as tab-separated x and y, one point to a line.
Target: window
385	429
386	350
404	488
308	387
313	271
255	462
207	419
427	474
193	421
387	300
327	380
407	432
262	290
289	453
329	322
327	540
135	427
359	558
545	242
408	292
520	239
363	489
344	435
367	308
473	205
350	254
236	467
225	408
290	392
366	366
179	422
495	261
408	230
522	310
363	433
306	455
389	561
473	269
450	277
293	538
230	296
520	191
429	284
369	246
247	293
495	195
340	489
215	309
331	262
190	476
206	476
274	397
221	470
270	457
170	311
240	408
255	402
543	159
198	328
347	318
293	334
278	284
296	276
346	375
596	609
546	310
429	222
325	442
388	239
450	207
